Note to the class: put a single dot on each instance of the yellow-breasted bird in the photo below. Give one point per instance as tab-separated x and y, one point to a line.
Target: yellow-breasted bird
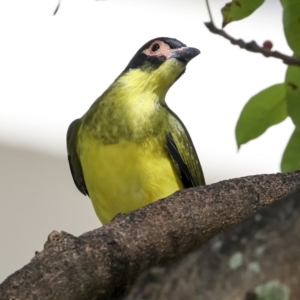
129	149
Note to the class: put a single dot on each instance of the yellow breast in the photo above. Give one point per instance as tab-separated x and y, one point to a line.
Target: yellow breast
122	145
124	176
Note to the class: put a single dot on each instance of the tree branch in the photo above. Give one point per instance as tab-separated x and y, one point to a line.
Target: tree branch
104	263
253	47
257	259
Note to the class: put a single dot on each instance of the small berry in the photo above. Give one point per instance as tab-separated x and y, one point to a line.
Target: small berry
268	45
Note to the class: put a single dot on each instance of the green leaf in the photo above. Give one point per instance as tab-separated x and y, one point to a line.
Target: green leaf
239	9
292	81
263	110
291	156
291	23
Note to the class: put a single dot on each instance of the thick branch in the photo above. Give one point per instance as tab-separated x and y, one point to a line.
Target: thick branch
104	263
253	47
257	259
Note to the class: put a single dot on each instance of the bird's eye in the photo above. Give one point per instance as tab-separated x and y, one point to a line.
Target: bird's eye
155	47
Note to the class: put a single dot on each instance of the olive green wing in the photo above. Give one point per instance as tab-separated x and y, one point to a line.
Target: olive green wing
183	153
74	162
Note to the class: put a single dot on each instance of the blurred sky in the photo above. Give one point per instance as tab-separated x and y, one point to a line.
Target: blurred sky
53	67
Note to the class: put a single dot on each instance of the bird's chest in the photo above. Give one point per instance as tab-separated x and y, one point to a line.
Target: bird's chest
134	119
125	176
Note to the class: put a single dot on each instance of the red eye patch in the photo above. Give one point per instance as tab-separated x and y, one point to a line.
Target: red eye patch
158	48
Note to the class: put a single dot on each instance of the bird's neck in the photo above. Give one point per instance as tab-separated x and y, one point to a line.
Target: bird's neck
139	81
131	108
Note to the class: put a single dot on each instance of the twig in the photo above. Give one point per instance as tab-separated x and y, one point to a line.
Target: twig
209	11
253	47
57	7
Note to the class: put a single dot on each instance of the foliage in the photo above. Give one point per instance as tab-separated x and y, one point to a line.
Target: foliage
263	110
272	105
239	9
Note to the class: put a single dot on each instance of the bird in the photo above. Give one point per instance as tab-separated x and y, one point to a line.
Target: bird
130	149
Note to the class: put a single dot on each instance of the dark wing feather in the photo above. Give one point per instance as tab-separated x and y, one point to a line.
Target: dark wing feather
183	153
74	162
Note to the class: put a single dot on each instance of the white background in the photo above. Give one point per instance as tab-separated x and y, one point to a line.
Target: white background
53	67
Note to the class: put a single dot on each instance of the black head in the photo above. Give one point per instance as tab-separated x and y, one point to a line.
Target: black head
158	50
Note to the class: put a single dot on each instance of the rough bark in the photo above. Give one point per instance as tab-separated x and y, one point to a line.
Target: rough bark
104	263
257	259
